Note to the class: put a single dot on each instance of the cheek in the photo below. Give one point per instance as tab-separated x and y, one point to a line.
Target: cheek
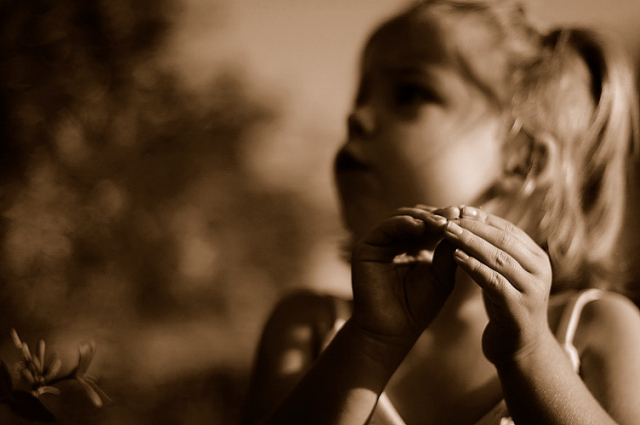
461	175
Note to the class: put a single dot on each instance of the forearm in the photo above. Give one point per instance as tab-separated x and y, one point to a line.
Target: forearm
542	388
343	385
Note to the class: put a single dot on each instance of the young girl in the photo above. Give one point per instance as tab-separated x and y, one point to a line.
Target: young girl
482	312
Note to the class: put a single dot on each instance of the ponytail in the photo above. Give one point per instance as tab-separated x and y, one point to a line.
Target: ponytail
593	123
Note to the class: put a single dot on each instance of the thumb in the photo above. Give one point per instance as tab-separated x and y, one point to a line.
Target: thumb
425	299
388	239
444	267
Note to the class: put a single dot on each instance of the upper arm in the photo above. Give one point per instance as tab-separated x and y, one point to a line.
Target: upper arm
609	340
290	342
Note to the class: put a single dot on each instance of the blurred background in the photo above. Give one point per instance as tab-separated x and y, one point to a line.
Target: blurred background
165	178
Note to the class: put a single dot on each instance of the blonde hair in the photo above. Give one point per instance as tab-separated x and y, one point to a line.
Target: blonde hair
570	98
580	93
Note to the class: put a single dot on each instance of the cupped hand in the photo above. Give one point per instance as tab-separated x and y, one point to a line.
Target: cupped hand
396	300
515	275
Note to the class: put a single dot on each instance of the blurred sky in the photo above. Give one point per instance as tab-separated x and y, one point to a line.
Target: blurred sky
307	49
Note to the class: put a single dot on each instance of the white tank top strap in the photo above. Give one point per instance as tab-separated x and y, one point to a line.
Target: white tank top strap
341	312
569	321
385	413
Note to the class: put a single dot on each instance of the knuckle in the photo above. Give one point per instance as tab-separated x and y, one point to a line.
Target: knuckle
505	239
494	279
502	259
475	267
510	228
470	225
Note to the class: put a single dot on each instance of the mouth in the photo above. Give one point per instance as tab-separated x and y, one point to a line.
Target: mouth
346	162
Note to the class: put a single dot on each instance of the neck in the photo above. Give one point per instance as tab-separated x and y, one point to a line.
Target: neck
464	306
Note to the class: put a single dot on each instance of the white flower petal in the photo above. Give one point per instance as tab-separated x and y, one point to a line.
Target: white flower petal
16	339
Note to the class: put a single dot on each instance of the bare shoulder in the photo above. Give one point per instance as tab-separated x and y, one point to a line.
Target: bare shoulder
291	340
302	308
608	323
300	321
608	339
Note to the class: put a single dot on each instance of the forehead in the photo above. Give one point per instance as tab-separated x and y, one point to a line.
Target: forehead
404	41
462	42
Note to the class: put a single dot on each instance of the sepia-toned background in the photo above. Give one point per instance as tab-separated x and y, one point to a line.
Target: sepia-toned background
165	177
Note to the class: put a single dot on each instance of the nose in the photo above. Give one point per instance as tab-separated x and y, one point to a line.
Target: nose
361	122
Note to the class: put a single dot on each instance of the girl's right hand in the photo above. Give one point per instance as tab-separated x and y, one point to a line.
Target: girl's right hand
395	302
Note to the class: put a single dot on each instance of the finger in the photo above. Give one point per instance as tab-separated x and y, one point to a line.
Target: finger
389	239
500	223
426	207
434	227
495	285
526	254
487	253
433	222
444	267
449	213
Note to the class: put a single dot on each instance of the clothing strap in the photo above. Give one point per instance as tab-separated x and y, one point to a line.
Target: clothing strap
386	414
341	312
569	321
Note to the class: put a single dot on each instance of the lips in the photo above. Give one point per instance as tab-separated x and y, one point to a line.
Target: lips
355	179
346	161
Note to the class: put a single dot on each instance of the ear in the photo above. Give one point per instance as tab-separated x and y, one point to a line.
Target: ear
544	159
528	162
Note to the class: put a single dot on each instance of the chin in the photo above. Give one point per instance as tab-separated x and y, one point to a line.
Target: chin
359	220
357	223
346	248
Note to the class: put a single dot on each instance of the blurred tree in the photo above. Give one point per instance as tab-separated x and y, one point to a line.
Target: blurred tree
125	197
66	68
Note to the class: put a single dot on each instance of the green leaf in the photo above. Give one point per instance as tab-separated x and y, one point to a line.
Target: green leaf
29	407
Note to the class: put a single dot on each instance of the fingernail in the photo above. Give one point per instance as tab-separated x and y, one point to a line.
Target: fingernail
453	228
460	254
468	212
438	219
449	213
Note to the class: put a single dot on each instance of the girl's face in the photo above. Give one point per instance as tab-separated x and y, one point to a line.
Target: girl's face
420	132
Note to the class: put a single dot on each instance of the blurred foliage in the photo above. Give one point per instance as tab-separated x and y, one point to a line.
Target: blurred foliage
127	209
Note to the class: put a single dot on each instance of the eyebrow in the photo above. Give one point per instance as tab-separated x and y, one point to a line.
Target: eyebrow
408	70
426	71
426	75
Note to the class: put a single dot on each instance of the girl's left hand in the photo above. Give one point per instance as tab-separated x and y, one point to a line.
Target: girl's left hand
515	275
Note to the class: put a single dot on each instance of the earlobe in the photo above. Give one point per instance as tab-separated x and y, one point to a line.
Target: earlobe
518	147
543	157
528	161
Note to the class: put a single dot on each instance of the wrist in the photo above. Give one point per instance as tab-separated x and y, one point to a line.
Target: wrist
384	352
535	349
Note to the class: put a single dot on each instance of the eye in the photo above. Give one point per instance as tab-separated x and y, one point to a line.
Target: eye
411	94
363	91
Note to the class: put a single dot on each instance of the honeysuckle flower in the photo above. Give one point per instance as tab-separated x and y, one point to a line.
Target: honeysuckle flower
39	373
23	403
35	371
86	350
